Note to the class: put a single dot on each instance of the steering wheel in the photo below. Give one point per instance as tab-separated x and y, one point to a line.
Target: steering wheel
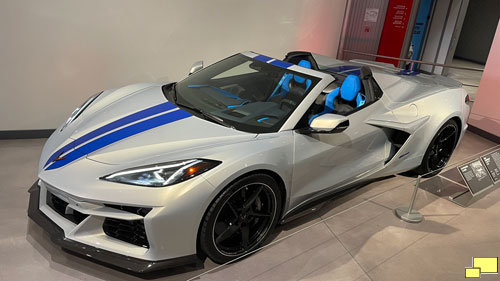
287	102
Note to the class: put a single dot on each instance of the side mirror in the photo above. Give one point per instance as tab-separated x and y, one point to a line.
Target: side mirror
329	123
196	66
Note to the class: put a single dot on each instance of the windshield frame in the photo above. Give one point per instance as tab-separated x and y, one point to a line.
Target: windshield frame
250	127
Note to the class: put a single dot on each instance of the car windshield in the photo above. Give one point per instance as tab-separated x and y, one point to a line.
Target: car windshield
244	93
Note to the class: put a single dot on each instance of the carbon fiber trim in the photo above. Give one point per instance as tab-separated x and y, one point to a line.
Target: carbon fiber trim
93	253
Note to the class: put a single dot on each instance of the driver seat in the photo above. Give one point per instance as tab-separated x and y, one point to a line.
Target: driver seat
292	87
299	81
341	98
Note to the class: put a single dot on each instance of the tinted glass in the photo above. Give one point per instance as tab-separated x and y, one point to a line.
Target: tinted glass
248	94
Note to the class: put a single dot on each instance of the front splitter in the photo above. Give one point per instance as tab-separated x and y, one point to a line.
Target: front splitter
126	262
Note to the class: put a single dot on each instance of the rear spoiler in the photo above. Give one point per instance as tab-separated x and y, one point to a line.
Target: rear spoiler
442	80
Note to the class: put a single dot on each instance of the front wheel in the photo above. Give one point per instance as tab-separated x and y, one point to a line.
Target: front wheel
240	218
440	149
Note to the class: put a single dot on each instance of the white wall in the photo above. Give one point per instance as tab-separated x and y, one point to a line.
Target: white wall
56	53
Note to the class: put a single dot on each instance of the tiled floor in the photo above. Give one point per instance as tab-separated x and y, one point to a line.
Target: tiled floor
355	237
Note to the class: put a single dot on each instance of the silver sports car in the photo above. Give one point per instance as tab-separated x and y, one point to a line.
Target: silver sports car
151	176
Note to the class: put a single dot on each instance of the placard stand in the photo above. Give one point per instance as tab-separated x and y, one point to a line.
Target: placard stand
408	214
477	187
463	198
466	183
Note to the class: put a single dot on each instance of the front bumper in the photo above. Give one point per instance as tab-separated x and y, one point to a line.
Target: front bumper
130	263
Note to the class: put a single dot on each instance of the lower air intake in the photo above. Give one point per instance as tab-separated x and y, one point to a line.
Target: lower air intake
60	206
132	232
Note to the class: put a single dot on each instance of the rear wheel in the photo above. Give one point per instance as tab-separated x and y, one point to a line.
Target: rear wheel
240	218
440	149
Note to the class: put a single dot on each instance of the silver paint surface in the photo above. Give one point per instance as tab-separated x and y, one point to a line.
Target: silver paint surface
309	165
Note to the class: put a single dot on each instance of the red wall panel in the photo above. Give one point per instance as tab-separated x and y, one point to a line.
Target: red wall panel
393	34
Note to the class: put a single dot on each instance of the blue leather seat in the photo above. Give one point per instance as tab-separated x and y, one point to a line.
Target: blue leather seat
348	92
283	87
300	79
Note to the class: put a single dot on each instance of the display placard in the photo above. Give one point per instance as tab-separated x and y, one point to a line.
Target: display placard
475	176
492	163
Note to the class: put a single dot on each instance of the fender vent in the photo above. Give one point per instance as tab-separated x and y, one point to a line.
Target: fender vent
397	139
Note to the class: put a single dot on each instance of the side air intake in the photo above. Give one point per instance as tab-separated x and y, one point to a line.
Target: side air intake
397	139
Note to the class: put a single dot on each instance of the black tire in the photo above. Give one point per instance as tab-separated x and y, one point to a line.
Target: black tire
440	149
241	218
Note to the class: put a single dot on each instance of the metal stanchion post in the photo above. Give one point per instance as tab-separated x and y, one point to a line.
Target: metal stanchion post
408	214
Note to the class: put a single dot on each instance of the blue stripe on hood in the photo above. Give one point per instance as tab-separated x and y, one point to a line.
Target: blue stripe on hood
119	135
162	107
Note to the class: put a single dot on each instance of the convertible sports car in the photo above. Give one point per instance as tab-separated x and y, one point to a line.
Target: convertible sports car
151	176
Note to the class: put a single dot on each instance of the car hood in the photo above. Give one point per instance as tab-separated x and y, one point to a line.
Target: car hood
136	128
179	137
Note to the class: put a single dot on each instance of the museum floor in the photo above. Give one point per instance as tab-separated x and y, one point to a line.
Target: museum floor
356	237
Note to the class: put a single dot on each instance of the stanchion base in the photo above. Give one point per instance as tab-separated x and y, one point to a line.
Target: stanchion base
413	217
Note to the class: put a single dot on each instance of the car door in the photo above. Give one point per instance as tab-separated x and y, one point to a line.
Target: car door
324	162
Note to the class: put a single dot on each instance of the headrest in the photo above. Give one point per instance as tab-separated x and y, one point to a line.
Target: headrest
305	64
350	88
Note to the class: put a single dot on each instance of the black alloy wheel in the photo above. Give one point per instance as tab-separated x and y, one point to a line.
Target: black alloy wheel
240	218
440	149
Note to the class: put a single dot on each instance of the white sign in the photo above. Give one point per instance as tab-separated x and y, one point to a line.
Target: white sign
371	14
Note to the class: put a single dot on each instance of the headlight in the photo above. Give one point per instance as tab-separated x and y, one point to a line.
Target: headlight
163	174
79	110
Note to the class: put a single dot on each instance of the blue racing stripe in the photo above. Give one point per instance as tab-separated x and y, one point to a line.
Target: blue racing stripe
119	135
281	63
263	58
111	126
